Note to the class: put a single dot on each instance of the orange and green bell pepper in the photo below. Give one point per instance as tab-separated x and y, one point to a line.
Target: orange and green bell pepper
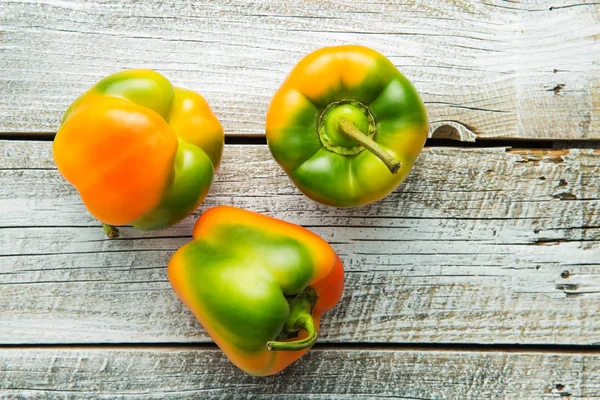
139	150
346	126
258	285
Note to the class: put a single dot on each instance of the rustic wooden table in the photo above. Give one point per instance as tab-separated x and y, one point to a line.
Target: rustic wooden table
479	277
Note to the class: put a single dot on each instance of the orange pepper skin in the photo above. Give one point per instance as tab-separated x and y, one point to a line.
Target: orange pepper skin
242	276
139	150
359	85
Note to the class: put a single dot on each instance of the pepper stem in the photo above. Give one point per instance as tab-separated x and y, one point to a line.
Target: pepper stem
300	318
111	231
348	128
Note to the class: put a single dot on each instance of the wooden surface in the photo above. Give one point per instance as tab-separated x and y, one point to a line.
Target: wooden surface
479	277
498	69
457	254
176	373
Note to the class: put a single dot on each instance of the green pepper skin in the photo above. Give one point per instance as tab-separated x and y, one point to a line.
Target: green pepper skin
257	283
193	175
160	147
359	85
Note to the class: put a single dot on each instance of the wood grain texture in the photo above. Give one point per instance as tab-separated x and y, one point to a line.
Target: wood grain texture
176	373
489	69
477	246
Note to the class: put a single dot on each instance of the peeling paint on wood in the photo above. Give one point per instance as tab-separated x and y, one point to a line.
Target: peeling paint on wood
525	70
472	248
178	373
486	246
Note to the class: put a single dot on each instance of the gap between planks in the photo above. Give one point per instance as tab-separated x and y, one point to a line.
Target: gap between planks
394	347
431	142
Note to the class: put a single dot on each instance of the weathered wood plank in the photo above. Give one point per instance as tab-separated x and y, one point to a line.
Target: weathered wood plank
473	247
176	373
493	69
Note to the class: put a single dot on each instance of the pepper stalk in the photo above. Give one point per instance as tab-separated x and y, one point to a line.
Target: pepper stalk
300	318
348	128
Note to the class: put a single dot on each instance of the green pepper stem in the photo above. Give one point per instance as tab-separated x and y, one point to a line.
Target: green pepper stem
348	128
300	318
111	231
305	323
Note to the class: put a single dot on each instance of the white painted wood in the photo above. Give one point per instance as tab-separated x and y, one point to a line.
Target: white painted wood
495	69
472	248
178	373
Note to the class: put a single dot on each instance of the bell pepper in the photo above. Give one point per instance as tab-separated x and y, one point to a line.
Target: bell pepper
346	126
258	286
139	150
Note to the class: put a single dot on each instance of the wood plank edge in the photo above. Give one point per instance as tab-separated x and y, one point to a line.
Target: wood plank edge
593	349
